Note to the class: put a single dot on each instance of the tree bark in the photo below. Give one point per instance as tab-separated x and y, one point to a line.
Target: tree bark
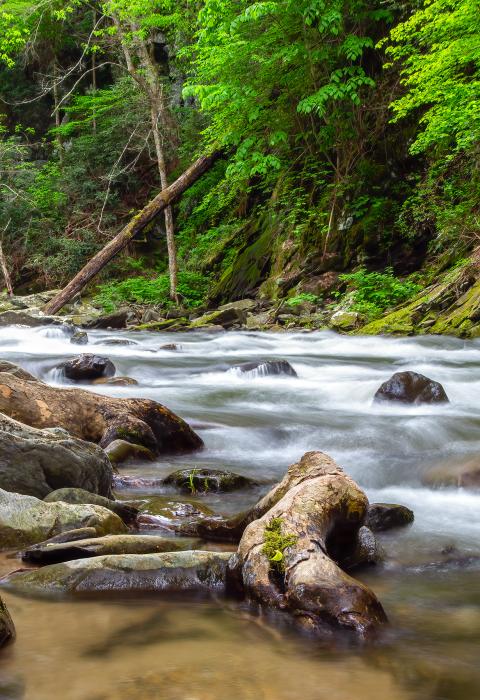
6	274
155	206
321	509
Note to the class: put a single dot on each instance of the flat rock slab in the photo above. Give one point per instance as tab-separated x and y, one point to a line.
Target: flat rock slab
54	552
124	511
196	572
25	520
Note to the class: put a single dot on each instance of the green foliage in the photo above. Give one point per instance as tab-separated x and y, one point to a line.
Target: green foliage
275	544
438	47
374	292
192	286
300	298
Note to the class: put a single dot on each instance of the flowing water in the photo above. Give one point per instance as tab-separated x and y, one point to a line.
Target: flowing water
151	648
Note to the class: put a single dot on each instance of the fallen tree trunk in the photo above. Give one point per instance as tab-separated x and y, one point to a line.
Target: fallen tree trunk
287	557
155	206
6	274
93	417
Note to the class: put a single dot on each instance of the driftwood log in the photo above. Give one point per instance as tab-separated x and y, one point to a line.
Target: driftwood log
93	417
127	234
318	510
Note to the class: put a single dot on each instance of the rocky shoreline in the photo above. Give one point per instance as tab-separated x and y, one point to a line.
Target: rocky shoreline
449	306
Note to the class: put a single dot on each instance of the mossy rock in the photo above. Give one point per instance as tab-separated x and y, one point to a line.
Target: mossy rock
171	509
7	629
205	480
79	496
25	520
197	572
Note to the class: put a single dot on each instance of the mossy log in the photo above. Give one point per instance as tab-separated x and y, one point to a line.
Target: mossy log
318	511
93	417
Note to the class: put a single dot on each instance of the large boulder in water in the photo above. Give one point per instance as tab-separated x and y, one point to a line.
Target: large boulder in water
35	462
204	480
462	473
411	388
124	511
196	572
7	629
25	520
87	367
55	552
290	551
267	368
94	417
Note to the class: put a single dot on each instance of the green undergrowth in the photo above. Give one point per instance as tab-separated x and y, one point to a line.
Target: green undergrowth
276	543
372	293
192	287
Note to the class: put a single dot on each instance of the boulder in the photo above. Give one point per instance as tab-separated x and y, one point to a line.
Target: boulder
17	371
226	318
290	553
117	319
22	318
385	516
124	511
345	320
7	629
54	552
25	520
121	451
266	368
411	388
240	305
463	473
79	338
94	417
116	381
366	551
35	462
195	572
203	480
87	367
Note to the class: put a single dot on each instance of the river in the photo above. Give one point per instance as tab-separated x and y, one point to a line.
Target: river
429	582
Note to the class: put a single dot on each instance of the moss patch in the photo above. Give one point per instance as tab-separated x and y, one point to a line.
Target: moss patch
276	543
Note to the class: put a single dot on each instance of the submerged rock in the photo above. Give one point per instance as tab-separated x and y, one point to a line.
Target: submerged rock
54	552
121	451
79	338
411	388
204	480
116	341
455	472
35	462
267	368
116	381
86	367
126	512
121	481
385	516
196	572
25	520
7	629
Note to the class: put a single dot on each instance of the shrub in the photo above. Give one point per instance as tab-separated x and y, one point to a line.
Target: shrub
192	286
300	298
374	292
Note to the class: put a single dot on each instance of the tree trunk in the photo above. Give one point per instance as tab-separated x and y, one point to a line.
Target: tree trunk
155	206
316	511
169	226
6	274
